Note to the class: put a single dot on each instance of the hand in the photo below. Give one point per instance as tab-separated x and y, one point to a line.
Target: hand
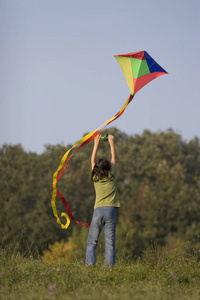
110	138
97	139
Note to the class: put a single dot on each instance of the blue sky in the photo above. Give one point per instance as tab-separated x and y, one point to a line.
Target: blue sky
59	78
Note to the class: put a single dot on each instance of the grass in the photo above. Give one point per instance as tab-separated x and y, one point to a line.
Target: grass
166	274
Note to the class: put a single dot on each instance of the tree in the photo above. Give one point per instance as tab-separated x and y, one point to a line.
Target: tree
158	176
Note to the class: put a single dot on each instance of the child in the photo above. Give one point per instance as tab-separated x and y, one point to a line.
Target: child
106	203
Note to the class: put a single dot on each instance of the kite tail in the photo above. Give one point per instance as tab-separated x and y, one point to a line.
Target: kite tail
64	161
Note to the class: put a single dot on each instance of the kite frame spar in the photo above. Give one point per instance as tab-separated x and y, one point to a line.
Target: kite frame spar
139	68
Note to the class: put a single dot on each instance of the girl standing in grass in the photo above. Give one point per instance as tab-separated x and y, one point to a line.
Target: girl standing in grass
106	203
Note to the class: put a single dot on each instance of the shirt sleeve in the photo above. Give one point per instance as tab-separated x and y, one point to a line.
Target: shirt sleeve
113	170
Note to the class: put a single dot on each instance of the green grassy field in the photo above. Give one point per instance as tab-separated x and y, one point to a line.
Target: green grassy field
166	274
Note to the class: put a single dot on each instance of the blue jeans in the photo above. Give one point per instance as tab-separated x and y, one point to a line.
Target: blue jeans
103	216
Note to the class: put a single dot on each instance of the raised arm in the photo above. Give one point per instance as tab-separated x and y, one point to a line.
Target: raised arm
112	149
93	156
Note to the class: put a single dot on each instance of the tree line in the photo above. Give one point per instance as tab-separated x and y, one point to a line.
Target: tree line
158	177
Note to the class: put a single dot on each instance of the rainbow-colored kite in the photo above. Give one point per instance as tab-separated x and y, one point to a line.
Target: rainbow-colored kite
139	68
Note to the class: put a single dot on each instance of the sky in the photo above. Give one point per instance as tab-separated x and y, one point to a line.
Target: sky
59	78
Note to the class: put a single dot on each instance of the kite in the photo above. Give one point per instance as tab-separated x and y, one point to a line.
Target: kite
139	68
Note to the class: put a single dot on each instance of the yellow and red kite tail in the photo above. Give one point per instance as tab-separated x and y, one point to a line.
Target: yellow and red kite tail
63	164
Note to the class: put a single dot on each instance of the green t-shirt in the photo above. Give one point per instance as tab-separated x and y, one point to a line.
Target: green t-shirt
106	191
